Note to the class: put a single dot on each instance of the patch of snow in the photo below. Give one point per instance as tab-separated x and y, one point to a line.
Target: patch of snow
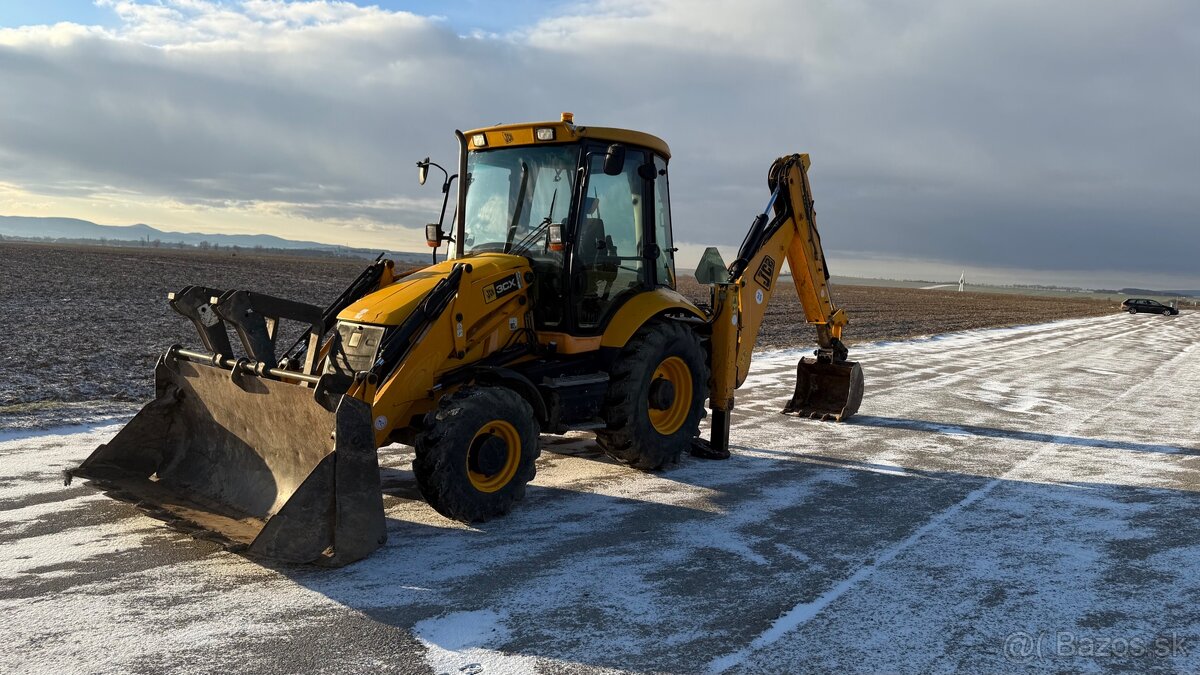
458	643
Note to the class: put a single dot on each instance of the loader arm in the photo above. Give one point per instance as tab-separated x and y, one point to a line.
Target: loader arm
785	230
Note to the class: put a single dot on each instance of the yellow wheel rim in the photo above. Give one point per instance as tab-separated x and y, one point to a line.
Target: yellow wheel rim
497	430
674	370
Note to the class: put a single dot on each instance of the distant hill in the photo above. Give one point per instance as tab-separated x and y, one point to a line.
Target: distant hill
1146	291
26	227
73	228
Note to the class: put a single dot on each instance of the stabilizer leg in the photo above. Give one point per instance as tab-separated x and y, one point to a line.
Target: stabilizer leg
718	446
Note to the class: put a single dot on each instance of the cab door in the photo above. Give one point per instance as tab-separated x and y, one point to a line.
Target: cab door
663	251
613	234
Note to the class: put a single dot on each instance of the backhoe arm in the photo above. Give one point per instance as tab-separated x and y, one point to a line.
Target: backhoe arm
828	387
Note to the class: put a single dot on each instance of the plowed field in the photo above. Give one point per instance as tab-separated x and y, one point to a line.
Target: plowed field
84	325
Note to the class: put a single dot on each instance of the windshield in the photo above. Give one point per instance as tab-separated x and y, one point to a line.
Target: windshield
514	193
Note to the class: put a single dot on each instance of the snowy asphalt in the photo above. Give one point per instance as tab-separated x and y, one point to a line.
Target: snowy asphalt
1007	500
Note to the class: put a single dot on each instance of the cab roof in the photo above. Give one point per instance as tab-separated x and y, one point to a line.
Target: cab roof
565	131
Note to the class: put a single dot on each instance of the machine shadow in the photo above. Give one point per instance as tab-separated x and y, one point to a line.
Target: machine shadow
567	557
399	483
1011	434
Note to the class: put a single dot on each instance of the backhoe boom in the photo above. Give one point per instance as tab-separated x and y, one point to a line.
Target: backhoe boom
828	386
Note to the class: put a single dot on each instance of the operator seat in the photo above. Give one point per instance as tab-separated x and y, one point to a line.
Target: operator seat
597	253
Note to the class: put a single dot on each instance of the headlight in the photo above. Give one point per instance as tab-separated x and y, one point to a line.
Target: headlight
545	133
479	140
355	348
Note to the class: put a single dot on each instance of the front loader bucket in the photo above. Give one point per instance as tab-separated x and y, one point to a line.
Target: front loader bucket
256	464
826	391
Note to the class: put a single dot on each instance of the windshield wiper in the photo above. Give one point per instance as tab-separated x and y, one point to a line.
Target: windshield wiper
516	217
549	216
528	239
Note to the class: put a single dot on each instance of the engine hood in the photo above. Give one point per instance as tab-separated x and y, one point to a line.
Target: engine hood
392	305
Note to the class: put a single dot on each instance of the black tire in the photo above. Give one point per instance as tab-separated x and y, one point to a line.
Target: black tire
1166	312
630	434
1133	310
465	464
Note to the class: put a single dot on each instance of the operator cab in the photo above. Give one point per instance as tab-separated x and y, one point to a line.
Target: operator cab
587	206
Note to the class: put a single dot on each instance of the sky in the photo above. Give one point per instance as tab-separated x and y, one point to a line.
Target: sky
1021	141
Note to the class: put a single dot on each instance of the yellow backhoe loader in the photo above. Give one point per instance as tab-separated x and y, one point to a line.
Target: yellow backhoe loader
557	310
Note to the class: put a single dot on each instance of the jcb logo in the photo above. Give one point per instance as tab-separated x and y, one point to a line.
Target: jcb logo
766	272
508	138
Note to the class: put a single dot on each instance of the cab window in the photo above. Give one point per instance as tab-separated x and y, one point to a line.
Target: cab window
665	264
608	248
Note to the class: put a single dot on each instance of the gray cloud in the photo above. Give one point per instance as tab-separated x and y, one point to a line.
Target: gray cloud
1018	134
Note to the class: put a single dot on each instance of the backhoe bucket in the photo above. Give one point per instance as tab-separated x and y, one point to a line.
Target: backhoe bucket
258	465
826	391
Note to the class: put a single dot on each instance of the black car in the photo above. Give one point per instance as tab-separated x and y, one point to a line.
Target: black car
1135	305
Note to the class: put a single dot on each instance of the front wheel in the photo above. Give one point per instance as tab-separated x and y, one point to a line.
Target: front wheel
1166	312
1132	310
477	453
655	396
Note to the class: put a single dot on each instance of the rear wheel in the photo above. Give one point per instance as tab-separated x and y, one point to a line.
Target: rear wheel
477	453
655	397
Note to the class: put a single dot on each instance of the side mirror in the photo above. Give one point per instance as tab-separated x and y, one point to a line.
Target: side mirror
555	237
433	235
614	160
